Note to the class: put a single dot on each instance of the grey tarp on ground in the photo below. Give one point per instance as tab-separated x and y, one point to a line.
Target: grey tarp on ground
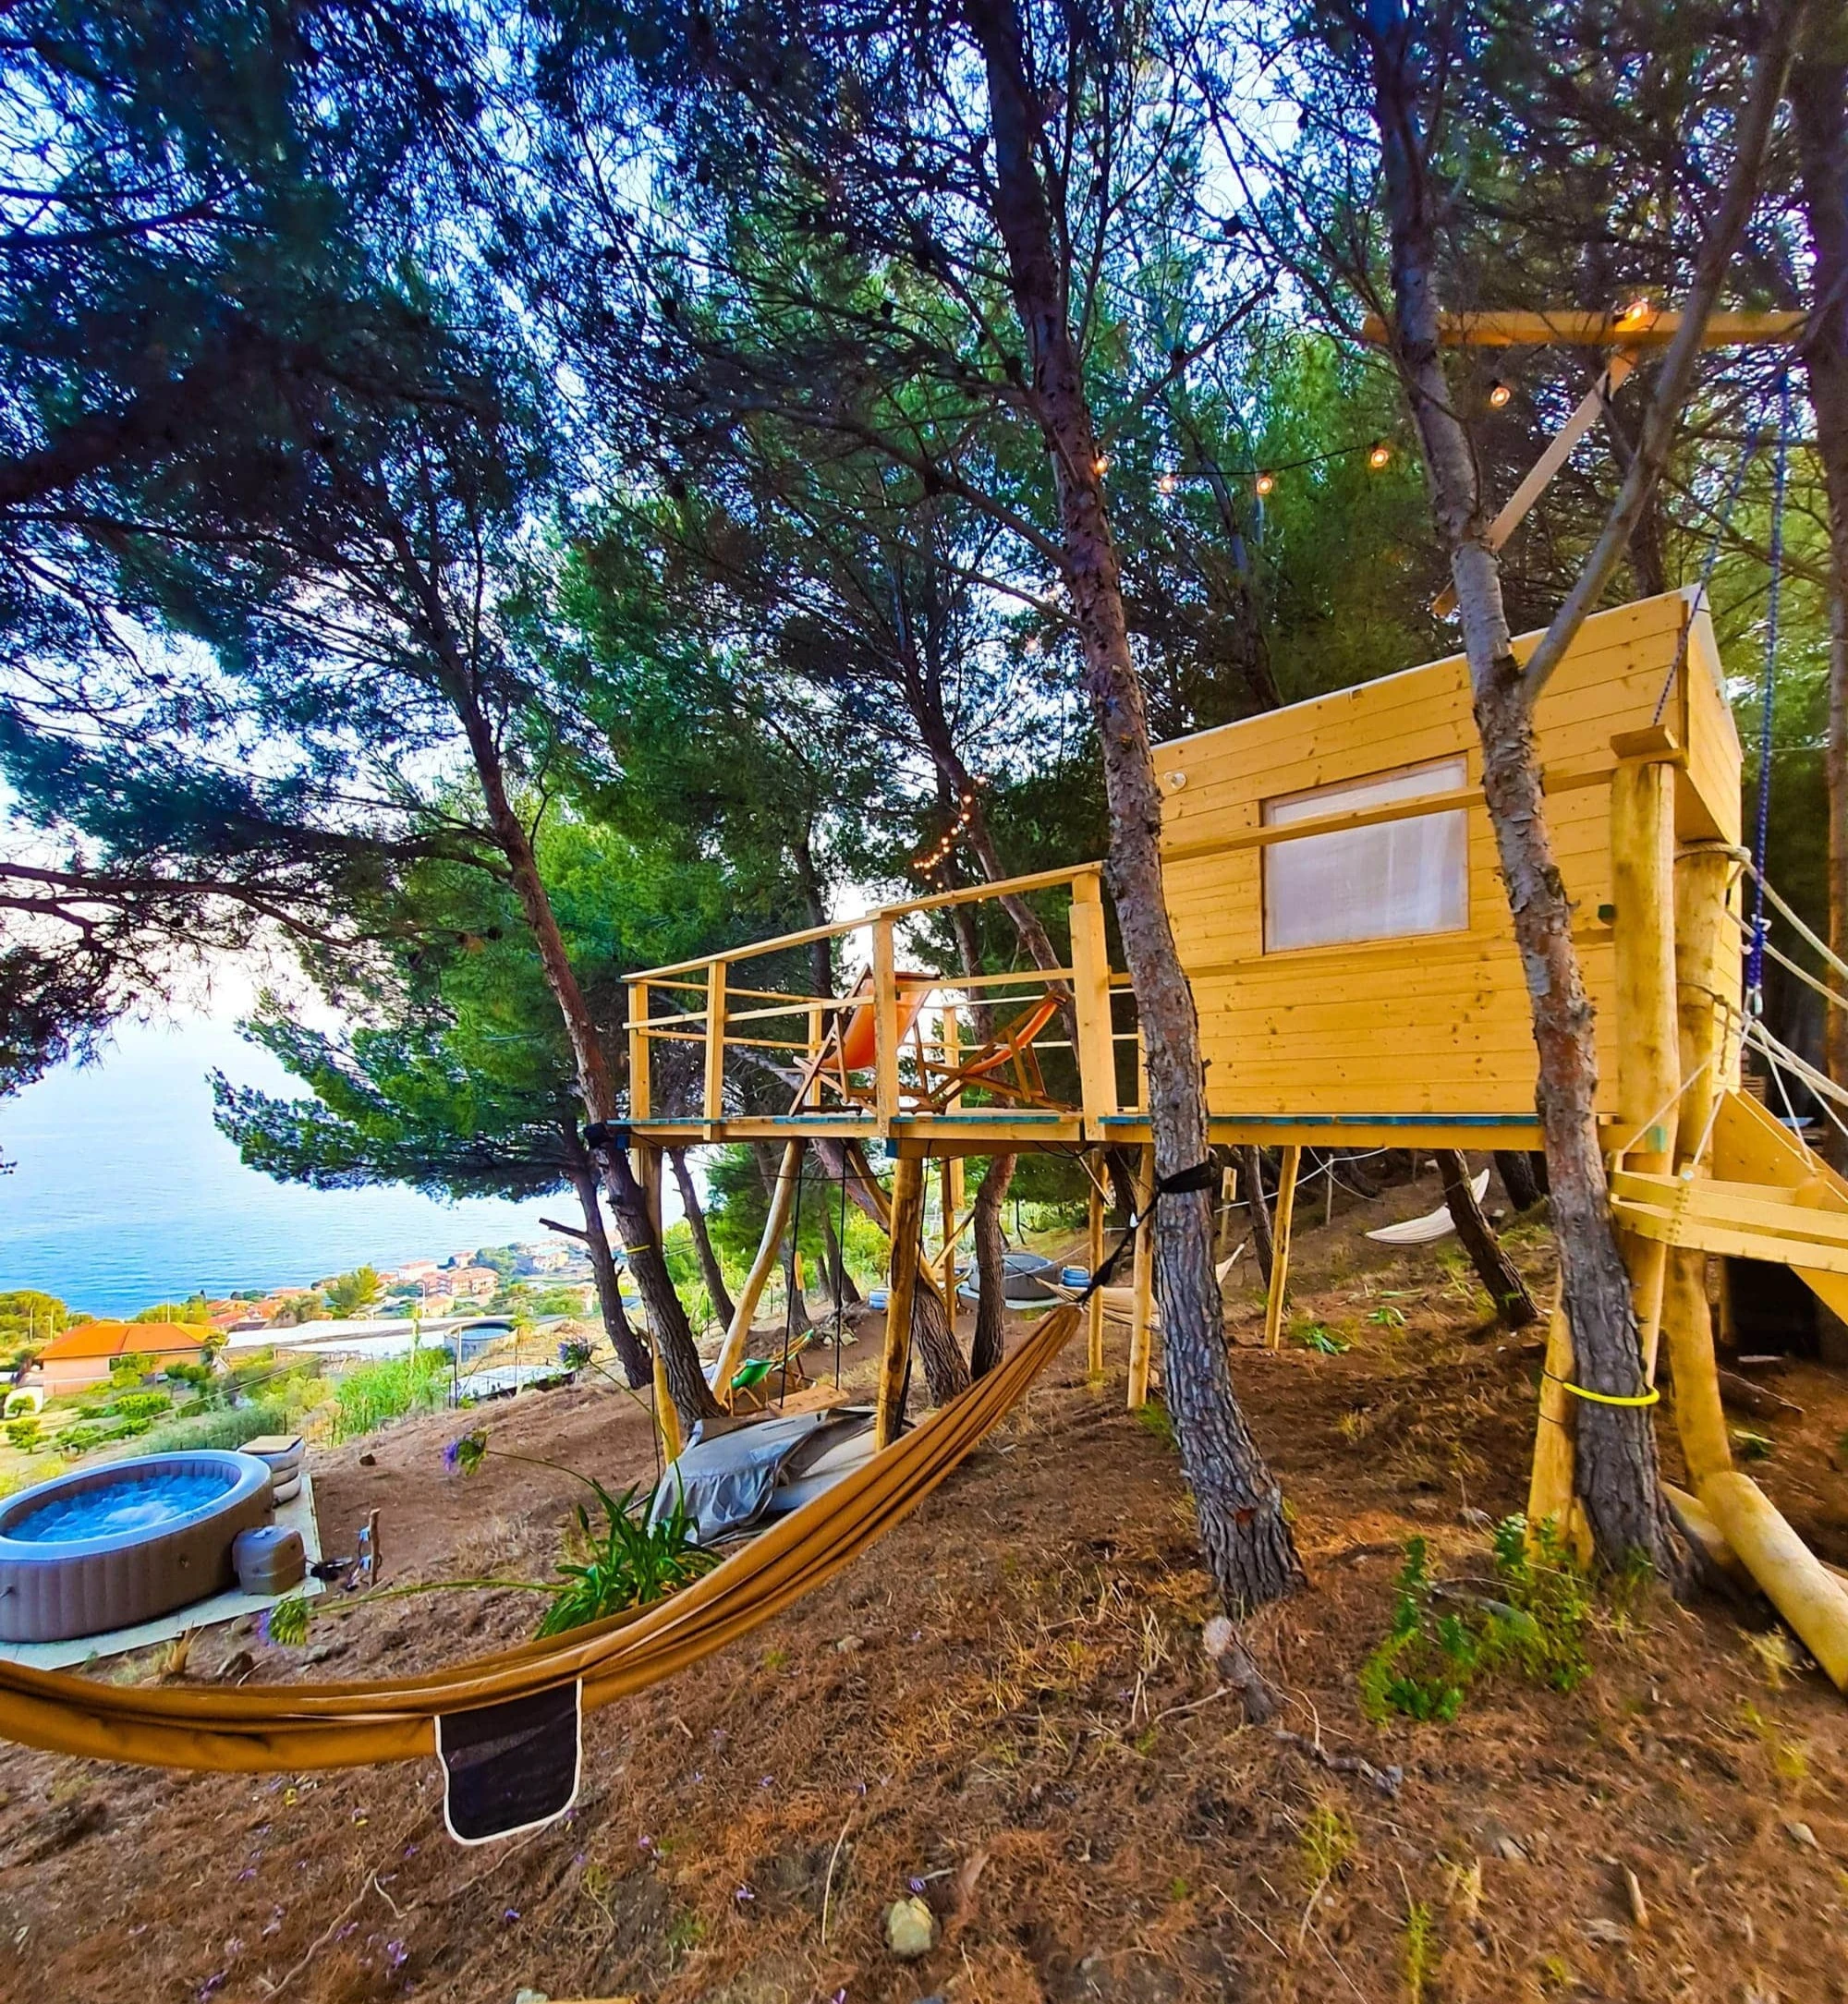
727	1482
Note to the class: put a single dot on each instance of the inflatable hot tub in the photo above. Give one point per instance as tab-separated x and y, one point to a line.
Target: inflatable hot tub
112	1545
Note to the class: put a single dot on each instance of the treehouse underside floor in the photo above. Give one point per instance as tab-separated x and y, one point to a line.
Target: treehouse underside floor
1006	1700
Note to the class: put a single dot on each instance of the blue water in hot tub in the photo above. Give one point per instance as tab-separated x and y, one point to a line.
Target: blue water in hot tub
134	1505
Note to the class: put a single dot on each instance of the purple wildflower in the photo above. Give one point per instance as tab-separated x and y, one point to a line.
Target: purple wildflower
396	1955
452	1454
743	1894
511	1915
917	1885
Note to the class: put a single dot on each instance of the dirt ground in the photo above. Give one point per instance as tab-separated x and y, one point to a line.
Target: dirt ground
1006	1708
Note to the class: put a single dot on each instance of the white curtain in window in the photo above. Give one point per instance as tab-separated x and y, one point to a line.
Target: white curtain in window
1368	883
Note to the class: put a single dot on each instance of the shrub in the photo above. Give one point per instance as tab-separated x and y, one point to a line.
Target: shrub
374	1393
627	1561
222	1428
24	1432
142	1405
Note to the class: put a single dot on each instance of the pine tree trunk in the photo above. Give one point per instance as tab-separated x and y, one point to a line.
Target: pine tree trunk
1617	1470
1514	1305
1515	1167
1257	1206
710	1271
666	1316
1818	96
596	1242
985	1348
841	1284
1246	1541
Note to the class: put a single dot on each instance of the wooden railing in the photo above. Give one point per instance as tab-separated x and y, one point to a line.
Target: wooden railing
906	1044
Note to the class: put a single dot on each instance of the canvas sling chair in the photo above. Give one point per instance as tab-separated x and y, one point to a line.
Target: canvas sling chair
293	1728
851	1044
1005	1066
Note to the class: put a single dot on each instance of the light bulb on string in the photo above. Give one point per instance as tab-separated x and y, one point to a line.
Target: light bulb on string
1499	395
1167	483
1265	483
1380	455
1100	464
1638	311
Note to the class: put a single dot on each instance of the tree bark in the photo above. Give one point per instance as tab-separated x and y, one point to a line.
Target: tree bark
710	1271
1617	1470
1819	100
1515	1167
985	1348
1246	1542
1514	1305
666	1315
596	1242
841	1285
1257	1207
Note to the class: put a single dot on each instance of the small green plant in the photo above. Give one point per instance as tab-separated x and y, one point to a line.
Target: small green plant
142	1404
23	1433
628	1560
1327	1843
1154	1419
1425	1667
1387	1317
1420	1949
1753	1447
1318	1336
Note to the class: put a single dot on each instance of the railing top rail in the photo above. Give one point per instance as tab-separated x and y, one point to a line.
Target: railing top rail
1043	880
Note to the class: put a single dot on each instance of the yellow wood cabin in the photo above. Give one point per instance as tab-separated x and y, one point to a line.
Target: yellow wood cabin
1332	882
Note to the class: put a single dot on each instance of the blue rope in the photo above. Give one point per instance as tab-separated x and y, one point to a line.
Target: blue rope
1755	959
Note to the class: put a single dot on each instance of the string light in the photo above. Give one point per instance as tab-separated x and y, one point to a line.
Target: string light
1101	466
1266	483
1379	456
1637	311
934	859
1499	393
1167	483
1264	478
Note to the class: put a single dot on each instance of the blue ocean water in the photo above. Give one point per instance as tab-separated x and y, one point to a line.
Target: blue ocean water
122	1193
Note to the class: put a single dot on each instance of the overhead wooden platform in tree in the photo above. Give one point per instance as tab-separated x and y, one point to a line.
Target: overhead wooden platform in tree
1333	881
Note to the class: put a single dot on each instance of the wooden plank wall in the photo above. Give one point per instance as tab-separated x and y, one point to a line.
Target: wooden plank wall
1437	1024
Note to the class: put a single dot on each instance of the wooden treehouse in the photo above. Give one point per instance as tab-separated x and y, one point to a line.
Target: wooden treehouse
1331	878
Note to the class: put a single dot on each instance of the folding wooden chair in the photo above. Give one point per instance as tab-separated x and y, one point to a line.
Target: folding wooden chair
852	1042
1005	1066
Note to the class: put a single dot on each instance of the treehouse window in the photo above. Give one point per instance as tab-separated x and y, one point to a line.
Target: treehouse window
1382	883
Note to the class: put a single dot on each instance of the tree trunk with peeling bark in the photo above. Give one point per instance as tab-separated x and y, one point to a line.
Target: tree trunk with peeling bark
1618	1476
1257	1207
985	1347
710	1271
1818	95
595	1241
666	1316
1514	1305
1240	1507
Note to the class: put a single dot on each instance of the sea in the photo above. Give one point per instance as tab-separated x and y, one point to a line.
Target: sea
119	1192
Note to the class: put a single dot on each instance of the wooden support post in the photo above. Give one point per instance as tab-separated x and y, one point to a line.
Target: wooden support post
1280	1247
715	1041
1649	1058
1228	1197
1552	1496
885	1024
952	1219
1707	972
1142	1296
1091	988
907	1219
666	1416
782	1202
640	1097
1094	1306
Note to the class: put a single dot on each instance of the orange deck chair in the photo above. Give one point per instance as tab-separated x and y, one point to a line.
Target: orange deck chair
1009	1051
852	1042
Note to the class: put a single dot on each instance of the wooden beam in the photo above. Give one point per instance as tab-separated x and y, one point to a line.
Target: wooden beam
953	1225
1648	1036
1091	988
715	1041
1142	1287
1280	1221
1552	1493
641	1102
1570	327
666	1416
782	1201
1556	455
907	1219
1094	1306
885	1023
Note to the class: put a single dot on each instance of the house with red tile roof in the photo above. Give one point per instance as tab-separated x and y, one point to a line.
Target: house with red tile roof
83	1355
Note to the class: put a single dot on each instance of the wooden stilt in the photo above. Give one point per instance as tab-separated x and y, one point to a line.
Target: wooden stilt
666	1417
782	1200
1142	1299
1094	1306
1549	1487
953	1218
1228	1197
907	1217
1280	1247
1648	1055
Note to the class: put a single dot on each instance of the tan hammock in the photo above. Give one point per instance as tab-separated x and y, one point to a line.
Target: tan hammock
286	1728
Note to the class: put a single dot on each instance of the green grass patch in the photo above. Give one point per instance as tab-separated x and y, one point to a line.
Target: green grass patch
372	1394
